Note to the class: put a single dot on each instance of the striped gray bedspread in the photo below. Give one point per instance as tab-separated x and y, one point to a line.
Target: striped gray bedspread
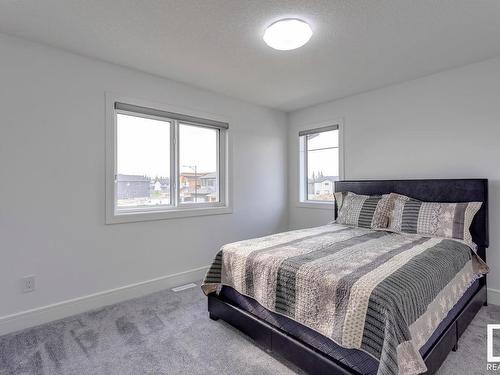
375	291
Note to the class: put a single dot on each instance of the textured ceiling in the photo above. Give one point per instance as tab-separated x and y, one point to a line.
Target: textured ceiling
217	44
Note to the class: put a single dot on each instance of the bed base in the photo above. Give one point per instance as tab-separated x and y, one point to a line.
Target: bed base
311	360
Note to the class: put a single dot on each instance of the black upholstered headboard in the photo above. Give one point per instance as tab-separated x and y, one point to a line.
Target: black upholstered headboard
440	190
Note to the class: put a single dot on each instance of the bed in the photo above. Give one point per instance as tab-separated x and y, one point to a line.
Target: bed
318	346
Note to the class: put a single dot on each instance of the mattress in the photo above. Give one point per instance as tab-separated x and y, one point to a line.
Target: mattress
353	358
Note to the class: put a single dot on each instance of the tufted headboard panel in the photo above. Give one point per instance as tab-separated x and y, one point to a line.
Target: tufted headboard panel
433	190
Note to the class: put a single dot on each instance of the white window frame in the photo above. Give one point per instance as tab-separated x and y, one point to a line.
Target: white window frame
176	209
302	167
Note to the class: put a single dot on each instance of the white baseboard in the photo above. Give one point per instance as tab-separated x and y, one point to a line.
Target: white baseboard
45	314
494	296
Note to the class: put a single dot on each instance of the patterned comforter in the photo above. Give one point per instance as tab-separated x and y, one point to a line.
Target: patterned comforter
375	291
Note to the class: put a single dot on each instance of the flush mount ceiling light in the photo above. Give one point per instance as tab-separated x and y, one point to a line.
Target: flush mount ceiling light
287	34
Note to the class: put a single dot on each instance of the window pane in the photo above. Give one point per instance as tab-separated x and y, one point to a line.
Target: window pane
198	179
323	140
322	165
143	162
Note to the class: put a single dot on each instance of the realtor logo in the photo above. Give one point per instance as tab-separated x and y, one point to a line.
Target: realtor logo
491	356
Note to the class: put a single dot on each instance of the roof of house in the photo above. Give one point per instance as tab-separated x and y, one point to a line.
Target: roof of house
320	179
162	180
210	175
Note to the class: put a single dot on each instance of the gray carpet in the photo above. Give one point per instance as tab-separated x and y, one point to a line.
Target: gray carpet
170	333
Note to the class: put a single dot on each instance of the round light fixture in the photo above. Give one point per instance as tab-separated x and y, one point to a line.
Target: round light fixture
287	34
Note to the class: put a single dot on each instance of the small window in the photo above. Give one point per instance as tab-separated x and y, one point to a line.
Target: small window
198	148
164	164
320	163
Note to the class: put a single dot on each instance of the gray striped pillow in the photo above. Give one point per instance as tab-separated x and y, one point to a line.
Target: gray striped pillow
366	211
447	220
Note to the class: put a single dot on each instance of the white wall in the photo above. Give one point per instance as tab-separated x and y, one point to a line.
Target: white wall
441	126
52	162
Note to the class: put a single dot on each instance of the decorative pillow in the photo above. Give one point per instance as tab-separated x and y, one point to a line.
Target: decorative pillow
447	220
366	211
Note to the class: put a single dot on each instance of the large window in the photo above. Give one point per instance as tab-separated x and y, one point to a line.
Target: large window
165	164
143	168
320	164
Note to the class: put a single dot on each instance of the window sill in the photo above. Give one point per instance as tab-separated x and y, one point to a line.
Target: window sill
317	205
132	217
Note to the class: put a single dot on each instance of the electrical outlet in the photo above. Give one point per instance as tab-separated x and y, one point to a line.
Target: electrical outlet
28	284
